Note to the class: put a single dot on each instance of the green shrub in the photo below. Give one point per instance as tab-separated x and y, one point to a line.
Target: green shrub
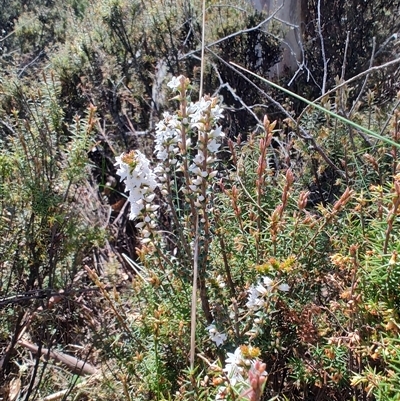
46	233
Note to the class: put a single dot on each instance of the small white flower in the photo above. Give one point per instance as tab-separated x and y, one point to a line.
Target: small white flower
195	169
217	112
257	293
262	291
146	233
233	366
198	109
216	133
283	287
162	154
215	336
234	359
197	181
159	169
150	198
175	82
213	146
254	300
270	285
199	158
268	282
136	208
221	282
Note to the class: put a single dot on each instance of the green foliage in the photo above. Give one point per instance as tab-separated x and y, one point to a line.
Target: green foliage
44	236
298	264
328	319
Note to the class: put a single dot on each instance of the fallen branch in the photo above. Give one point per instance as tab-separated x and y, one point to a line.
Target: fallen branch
76	365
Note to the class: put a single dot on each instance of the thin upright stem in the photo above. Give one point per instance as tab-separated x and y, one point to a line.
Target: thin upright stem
194	296
203	30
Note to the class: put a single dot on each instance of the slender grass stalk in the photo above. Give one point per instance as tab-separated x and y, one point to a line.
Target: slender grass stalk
158	365
196	241
321	108
194	297
203	34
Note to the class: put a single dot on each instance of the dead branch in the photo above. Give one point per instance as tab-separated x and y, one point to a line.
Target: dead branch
371	62
324	60
350	80
232	35
302	133
76	365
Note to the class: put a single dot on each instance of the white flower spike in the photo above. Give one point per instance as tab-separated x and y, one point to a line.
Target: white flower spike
140	181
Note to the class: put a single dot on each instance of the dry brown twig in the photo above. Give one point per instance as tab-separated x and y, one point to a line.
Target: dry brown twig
76	365
232	35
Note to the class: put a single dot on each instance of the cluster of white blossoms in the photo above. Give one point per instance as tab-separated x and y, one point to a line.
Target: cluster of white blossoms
168	137
201	115
237	368
258	294
140	182
194	122
194	130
